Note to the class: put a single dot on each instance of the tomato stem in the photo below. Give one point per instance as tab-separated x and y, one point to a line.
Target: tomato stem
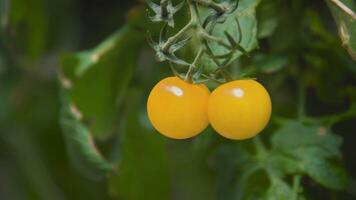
170	41
296	185
193	67
208	3
203	31
301	99
164	10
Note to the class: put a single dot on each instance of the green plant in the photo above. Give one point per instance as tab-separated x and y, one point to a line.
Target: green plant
303	52
219	32
210	26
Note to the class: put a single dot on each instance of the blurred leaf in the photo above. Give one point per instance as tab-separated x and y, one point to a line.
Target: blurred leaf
279	190
312	147
296	136
346	24
82	151
225	163
18	11
323	171
32	18
7	83
144	165
267	18
4	12
268	63
30	160
98	78
203	141
281	165
248	180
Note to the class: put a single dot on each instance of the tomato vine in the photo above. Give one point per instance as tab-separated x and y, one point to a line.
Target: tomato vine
202	28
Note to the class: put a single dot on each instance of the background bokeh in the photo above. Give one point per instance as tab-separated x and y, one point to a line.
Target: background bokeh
300	60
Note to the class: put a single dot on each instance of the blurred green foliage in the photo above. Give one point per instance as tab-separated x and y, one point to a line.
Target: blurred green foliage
75	75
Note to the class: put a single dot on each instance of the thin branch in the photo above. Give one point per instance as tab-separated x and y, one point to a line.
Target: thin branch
208	3
261	150
189	25
198	56
212	79
209	37
174	38
301	101
193	65
296	186
344	8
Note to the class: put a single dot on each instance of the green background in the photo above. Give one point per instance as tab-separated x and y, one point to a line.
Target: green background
74	72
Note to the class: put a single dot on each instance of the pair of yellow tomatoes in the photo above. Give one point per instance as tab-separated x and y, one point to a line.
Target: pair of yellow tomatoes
237	110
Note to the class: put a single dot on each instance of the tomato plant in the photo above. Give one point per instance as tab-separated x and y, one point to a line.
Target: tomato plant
75	78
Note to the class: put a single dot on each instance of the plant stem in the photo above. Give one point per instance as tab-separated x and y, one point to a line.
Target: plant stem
7	54
226	75
296	185
209	37
170	41
212	79
301	99
241	188
164	7
261	150
192	23
208	3
331	119
199	55
323	120
189	76
202	34
344	8
193	10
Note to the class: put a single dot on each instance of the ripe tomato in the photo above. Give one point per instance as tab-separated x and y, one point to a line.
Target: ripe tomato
239	109
178	109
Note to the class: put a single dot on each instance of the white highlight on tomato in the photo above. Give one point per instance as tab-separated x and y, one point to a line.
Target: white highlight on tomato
238	92
175	90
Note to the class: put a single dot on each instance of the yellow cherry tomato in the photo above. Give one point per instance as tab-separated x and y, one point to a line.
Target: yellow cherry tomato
239	109
178	109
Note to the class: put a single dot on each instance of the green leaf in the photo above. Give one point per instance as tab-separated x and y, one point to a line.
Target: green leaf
144	164
324	171
33	17
82	152
98	78
296	150
267	18
246	15
346	23
281	165
312	148
295	136
279	190
225	161
269	63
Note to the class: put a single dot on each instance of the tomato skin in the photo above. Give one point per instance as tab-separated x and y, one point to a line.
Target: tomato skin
239	109
178	109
